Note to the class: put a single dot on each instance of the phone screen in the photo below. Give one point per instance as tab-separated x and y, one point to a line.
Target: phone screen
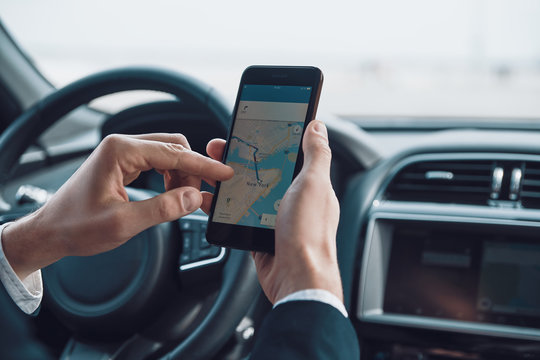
263	149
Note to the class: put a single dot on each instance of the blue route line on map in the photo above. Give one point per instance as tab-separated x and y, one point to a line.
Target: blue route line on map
254	155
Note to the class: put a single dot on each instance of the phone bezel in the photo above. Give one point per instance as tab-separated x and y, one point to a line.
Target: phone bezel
254	238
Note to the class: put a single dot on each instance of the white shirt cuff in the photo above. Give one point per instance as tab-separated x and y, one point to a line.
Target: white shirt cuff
320	295
27	294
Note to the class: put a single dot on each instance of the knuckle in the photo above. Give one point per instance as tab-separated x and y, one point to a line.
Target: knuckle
315	183
321	149
181	139
165	209
112	140
175	148
312	182
112	143
334	202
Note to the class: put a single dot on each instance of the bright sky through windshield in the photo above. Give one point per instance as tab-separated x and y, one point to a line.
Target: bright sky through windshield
418	57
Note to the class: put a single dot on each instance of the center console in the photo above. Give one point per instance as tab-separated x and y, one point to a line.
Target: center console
461	274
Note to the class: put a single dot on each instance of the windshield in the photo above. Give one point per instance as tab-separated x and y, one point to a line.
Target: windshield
406	58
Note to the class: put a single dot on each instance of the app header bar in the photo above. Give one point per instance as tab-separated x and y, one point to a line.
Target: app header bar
276	93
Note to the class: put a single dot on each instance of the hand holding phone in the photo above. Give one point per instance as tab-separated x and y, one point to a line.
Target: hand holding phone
273	107
305	253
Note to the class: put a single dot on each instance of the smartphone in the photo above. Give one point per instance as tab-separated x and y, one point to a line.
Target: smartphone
273	107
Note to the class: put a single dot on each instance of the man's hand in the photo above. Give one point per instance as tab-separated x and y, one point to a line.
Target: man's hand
91	213
306	225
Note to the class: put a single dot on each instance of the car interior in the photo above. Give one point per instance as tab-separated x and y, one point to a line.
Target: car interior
438	242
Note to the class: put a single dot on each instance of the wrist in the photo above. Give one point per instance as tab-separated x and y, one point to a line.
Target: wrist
327	278
317	277
28	246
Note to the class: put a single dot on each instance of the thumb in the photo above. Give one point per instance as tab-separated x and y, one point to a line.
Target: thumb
317	153
169	206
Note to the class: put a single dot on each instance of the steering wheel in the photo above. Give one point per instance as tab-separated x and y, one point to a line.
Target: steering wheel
140	295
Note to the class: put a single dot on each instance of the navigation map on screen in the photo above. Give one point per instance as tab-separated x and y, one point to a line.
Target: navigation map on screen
262	151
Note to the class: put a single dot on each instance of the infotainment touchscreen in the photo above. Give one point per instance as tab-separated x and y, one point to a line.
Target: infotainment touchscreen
510	279
478	275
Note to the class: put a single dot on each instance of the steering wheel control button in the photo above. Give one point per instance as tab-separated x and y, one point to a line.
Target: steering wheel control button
184	259
205	253
203	243
188	243
196	250
186	225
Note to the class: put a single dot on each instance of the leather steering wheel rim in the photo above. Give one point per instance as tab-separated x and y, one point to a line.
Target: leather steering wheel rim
27	128
239	286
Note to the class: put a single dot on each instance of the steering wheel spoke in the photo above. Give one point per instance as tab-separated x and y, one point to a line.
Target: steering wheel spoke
199	261
197	252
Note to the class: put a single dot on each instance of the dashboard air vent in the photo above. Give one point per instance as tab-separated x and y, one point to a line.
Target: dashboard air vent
530	187
448	181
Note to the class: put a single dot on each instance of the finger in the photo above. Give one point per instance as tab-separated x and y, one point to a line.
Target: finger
317	153
216	148
169	206
176	138
257	256
211	182
175	178
146	154
172	178
206	201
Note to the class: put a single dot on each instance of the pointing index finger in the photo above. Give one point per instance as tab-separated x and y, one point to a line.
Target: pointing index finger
146	154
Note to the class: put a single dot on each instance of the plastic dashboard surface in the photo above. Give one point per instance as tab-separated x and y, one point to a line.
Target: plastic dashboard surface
508	311
364	209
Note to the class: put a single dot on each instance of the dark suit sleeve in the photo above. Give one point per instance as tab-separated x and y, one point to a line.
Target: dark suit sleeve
306	330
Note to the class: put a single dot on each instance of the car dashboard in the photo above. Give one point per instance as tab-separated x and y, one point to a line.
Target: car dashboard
444	228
